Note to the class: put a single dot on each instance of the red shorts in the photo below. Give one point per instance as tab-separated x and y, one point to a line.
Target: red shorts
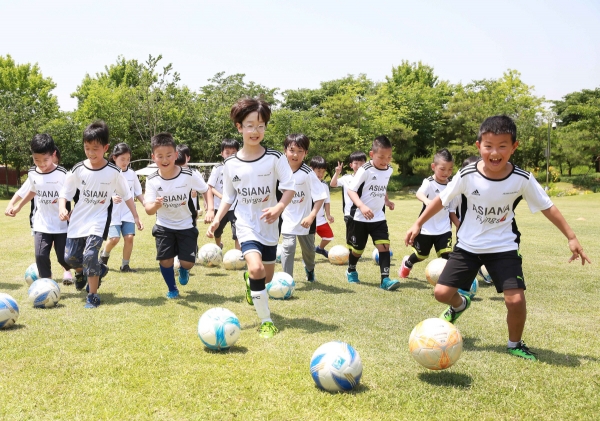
324	231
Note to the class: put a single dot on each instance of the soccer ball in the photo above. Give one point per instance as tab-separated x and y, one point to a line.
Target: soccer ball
336	367
281	287
233	260
44	293
218	328
474	287
485	275
279	252
434	270
176	264
9	311
31	274
435	344
210	255
376	256
338	255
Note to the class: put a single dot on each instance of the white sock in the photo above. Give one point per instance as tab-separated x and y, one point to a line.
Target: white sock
512	344
261	305
462	306
105	253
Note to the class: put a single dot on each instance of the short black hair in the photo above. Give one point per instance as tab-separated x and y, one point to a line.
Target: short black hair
43	143
358	156
97	132
247	105
318	163
298	139
183	152
498	124
118	150
162	139
442	155
57	154
230	143
381	142
470	160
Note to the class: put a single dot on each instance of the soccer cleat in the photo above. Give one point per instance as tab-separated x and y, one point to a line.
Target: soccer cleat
80	281
67	278
104	259
451	315
92	301
267	330
184	276
173	294
322	252
522	351
404	270
248	291
389	284
127	269
310	275
352	277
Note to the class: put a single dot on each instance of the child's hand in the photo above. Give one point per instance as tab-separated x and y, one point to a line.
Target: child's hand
338	169
271	215
577	251
209	217
139	224
10	211
158	203
330	219
411	234
367	213
306	222
117	199
63	215
390	205
211	229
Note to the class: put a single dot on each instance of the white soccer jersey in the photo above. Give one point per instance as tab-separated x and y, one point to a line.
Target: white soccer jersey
177	207
308	190
371	185
95	189
120	211
321	217
24	189
343	182
254	185
46	187
440	222
216	180
489	225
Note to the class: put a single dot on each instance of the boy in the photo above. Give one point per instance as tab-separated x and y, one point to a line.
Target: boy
357	160
368	193
168	195
45	180
488	234
299	217
229	147
252	177
91	183
319	166
437	232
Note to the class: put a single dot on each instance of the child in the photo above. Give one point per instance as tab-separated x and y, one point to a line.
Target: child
168	195
184	154
91	183
437	232
252	177
357	160
45	180
299	217
319	166
368	193
488	234
229	147
121	221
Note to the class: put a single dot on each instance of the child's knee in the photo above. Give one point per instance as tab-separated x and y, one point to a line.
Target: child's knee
515	302
444	294
113	241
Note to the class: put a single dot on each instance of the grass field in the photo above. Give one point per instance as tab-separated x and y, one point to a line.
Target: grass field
138	357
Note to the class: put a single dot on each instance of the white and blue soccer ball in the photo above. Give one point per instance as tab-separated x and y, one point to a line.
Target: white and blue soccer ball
219	328
210	255
376	255
44	293
336	367
9	311
281	287
279	253
471	292
233	260
485	275
31	274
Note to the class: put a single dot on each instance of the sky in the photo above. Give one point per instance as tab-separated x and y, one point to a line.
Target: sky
555	45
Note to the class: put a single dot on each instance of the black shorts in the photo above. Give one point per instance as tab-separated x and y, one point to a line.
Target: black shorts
505	268
229	217
423	243
357	234
171	243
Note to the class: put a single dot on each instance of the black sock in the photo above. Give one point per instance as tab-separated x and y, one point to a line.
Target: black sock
352	261
384	264
411	261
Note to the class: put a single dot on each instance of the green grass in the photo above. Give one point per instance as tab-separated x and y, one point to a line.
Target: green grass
138	357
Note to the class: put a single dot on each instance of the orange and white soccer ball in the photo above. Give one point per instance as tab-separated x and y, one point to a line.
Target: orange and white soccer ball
434	270
338	255
435	344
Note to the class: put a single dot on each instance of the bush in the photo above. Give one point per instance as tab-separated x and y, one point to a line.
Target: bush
421	167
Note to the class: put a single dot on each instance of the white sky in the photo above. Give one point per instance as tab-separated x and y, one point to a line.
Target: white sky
298	44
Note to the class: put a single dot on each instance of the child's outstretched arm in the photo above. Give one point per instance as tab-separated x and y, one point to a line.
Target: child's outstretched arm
136	218
554	216
336	175
28	197
421	196
432	208
327	207
367	213
223	209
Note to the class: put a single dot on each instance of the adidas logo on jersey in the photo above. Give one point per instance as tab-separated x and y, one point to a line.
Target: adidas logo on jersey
159	189
374	178
475	193
83	182
437	190
235	178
